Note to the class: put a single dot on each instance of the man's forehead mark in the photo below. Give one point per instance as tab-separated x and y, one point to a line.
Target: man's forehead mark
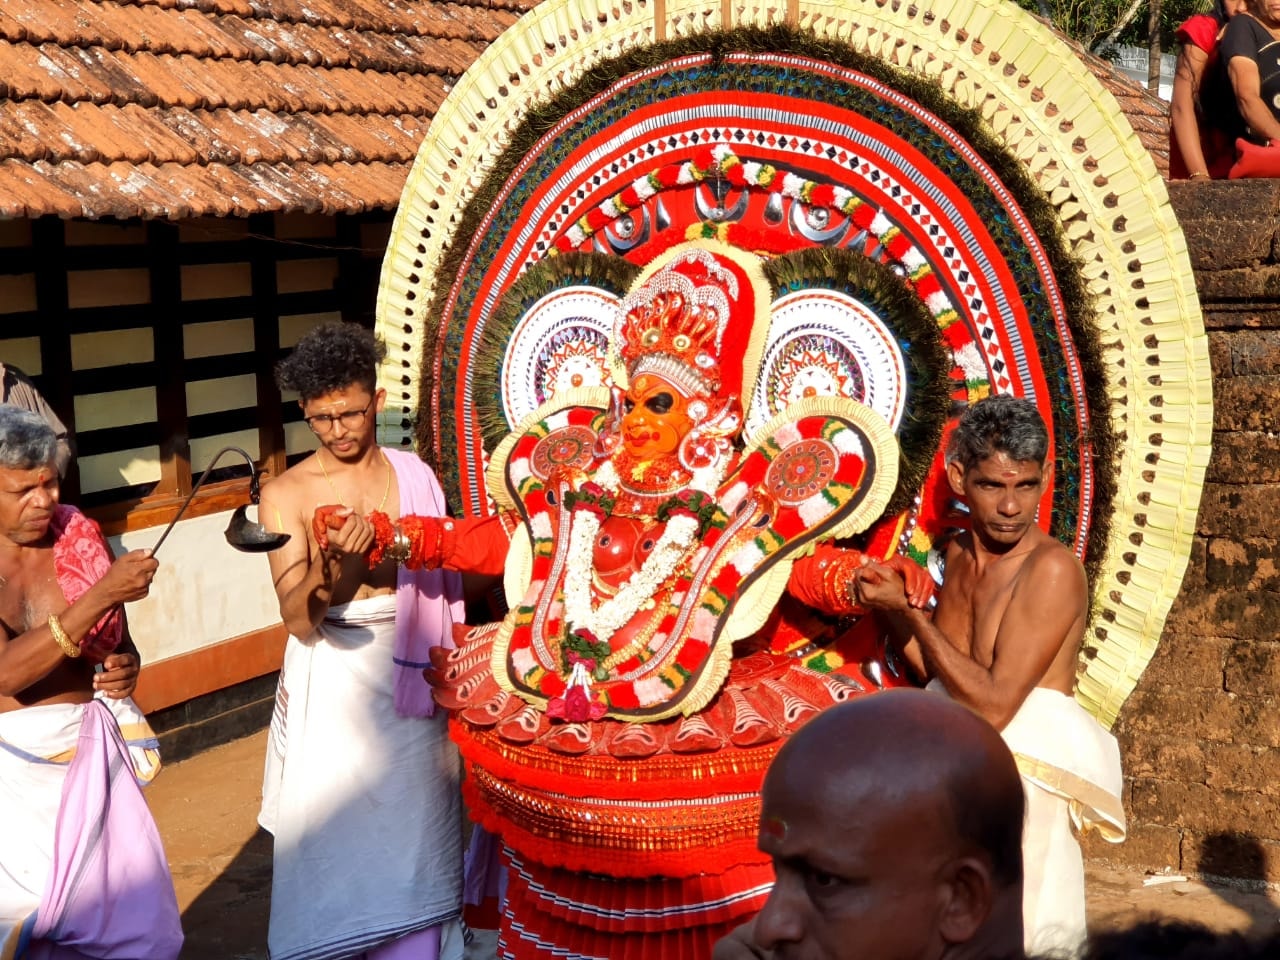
774	826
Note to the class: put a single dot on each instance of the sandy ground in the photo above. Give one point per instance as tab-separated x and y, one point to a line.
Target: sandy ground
207	807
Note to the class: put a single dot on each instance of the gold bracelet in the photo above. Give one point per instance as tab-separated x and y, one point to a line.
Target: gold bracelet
69	647
1198	173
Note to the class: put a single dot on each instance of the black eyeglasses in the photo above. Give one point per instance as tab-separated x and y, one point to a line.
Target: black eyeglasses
351	419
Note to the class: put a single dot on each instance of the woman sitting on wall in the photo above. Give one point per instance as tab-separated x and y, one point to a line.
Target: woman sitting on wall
1204	122
1251	51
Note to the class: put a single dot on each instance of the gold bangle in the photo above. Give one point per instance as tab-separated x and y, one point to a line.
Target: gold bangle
68	646
1198	173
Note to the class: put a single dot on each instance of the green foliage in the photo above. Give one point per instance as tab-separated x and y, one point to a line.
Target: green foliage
1089	22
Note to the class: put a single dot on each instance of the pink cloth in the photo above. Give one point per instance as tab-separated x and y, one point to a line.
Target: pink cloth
109	892
420	945
81	559
428	602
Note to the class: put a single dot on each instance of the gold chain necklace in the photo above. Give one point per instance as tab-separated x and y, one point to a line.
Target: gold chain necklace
385	493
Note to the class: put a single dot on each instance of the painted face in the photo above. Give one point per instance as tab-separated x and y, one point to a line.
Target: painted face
345	420
27	499
656	418
855	876
1003	495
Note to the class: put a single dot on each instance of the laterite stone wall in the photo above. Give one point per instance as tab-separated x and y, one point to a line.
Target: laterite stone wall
1199	736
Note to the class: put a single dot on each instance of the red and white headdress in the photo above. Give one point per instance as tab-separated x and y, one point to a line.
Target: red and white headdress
697	316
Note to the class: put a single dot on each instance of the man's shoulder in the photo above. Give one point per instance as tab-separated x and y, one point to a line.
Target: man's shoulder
1050	557
293	480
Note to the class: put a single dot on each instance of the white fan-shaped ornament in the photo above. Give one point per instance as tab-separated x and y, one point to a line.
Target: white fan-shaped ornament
561	343
823	343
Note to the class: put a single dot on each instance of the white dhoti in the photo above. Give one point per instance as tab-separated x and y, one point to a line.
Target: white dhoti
364	803
1071	776
82	869
1070	767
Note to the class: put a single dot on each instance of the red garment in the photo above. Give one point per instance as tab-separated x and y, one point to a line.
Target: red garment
81	559
1217	143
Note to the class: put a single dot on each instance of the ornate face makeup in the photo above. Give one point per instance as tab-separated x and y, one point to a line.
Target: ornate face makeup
656	418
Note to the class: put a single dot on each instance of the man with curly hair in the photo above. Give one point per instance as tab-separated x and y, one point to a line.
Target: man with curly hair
361	783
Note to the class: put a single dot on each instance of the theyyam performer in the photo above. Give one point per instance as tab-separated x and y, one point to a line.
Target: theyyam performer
631	688
670	300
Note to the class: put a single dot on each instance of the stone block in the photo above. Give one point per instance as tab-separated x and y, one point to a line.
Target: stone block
1220	357
1227	315
1240	767
1247	564
1155	756
1253	353
1172	711
1245	402
1256	720
1239	856
1252	668
1253	288
1236	456
1237	510
1205	810
1188	660
1203	610
1148	846
1227	223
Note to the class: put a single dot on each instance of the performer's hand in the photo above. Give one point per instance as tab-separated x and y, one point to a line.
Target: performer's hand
919	584
331	516
740	944
130	576
353	536
879	587
118	677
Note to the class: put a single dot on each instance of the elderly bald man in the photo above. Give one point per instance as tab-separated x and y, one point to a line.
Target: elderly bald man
895	827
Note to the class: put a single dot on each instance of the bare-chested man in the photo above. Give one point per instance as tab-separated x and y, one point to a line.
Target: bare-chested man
894	824
1004	641
63	640
361	784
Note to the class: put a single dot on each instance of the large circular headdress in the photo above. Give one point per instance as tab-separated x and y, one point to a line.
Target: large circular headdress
949	205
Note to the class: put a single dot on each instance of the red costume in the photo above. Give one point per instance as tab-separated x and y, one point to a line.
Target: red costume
617	724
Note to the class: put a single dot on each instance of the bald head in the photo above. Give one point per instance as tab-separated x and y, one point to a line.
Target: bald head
914	747
895	825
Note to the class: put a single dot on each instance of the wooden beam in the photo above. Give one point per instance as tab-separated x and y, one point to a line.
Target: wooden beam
266	344
190	675
53	307
171	383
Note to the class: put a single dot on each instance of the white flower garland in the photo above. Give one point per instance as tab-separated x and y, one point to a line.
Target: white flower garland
608	618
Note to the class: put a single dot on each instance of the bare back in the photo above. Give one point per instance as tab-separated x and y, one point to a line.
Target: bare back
1021	614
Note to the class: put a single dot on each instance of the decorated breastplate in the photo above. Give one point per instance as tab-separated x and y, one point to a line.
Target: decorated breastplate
632	600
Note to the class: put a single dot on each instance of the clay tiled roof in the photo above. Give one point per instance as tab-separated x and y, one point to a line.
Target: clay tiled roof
179	108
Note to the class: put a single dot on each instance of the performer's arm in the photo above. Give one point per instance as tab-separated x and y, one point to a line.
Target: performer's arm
30	656
305	578
468	545
824	580
1047	602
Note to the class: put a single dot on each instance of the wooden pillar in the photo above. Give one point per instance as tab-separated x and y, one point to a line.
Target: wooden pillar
49	239
266	342
171	374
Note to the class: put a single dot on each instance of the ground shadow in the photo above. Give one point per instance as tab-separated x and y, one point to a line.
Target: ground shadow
1236	867
228	920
